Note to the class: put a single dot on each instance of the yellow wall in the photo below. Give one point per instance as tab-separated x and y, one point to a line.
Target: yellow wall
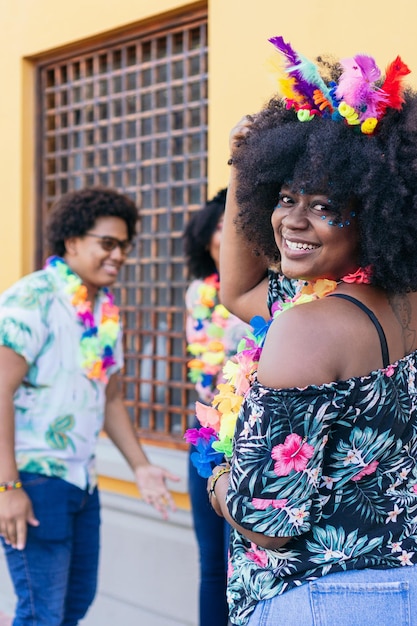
31	28
239	82
239	48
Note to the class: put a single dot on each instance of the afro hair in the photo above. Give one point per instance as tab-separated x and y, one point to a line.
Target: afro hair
379	173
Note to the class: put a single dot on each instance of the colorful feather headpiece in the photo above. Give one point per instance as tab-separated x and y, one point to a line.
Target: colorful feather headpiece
359	98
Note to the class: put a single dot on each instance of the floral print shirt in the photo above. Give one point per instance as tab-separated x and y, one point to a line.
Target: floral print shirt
58	410
334	468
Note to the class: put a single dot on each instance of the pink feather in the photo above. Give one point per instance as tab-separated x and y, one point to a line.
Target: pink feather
357	85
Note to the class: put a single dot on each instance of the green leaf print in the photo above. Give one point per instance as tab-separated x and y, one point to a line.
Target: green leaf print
56	436
30	292
44	465
14	334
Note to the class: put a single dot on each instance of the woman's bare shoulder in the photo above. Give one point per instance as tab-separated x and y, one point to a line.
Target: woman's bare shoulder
316	343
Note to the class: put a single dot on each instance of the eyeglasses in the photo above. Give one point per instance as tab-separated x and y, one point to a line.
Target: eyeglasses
110	243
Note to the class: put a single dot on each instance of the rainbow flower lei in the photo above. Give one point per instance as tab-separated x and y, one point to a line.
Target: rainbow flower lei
214	440
207	345
97	342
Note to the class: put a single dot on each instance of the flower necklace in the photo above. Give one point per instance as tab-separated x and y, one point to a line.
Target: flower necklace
214	440
207	344
97	342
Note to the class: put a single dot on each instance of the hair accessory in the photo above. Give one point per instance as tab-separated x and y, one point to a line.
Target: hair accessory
13	484
97	342
358	98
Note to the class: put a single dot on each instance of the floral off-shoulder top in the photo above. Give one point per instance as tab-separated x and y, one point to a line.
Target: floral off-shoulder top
334	468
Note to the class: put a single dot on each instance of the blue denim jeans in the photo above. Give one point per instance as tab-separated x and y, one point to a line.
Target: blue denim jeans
212	533
369	597
55	576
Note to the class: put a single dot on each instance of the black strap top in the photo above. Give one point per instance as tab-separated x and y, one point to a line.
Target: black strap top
374	320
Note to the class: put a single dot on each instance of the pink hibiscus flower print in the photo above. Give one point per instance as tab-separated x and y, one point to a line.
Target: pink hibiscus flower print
262	504
257	555
293	454
365	471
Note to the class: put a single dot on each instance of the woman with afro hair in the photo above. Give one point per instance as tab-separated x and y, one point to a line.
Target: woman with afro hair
321	490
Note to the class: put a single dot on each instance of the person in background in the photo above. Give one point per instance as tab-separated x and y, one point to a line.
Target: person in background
321	491
212	335
60	355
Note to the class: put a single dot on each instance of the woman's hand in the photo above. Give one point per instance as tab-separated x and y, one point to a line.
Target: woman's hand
150	480
239	132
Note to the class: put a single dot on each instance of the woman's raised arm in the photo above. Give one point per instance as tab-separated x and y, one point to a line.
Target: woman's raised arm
244	282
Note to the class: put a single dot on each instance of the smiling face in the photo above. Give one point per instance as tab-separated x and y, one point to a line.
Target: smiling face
87	258
311	242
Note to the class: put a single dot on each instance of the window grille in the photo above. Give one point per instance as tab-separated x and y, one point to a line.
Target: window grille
132	114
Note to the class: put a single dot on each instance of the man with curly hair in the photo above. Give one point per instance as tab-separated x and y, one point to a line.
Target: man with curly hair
60	354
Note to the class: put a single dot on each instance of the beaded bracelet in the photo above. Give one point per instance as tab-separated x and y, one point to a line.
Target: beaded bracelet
223	470
13	484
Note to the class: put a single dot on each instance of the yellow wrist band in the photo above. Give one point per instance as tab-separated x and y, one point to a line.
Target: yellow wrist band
223	470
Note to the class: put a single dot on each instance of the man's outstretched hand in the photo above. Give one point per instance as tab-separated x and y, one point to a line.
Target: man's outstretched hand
151	481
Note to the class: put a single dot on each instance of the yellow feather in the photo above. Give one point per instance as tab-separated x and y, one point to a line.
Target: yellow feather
276	67
286	87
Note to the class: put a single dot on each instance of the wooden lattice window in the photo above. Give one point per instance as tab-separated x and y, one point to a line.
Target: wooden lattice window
132	114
